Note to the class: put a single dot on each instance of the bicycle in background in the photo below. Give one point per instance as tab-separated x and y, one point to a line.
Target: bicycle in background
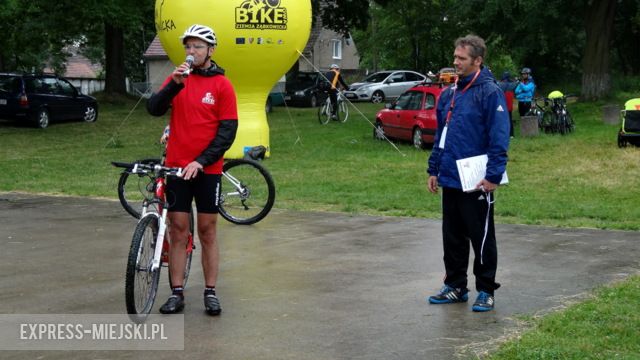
538	109
552	113
247	190
562	119
325	111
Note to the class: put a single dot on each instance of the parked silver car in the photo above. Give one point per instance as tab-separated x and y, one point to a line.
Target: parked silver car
384	85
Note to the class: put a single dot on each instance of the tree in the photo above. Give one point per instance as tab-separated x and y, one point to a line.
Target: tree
343	16
596	79
34	34
417	35
115	23
38	31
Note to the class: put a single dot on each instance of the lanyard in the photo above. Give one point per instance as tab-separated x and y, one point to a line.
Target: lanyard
453	97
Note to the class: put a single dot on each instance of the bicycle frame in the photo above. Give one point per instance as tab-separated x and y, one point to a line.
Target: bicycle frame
241	190
161	246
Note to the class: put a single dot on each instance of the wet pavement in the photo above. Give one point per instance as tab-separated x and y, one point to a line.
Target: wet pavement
300	285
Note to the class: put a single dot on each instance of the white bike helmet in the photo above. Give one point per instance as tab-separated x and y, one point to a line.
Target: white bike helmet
334	66
202	32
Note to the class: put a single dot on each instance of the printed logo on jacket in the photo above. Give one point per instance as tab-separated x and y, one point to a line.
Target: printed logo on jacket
208	99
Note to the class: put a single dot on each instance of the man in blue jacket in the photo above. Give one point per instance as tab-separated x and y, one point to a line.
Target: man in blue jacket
472	120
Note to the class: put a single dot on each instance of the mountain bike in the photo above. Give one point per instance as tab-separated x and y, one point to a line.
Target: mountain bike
150	244
553	115
247	190
563	119
541	112
325	111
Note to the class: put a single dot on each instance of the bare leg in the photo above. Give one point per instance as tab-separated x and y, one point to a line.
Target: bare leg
179	234
210	253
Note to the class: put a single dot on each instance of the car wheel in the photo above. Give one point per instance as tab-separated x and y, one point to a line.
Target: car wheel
90	113
417	138
378	131
42	119
313	102
377	97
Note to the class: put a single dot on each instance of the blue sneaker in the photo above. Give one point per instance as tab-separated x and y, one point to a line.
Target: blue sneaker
449	295
484	302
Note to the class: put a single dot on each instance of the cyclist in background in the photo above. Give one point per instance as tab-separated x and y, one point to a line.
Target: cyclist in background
335	79
204	121
525	92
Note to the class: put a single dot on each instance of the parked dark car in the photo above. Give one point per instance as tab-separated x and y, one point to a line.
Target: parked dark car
276	96
304	89
41	99
411	117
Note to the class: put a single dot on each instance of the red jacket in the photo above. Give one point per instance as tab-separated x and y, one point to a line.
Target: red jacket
509	97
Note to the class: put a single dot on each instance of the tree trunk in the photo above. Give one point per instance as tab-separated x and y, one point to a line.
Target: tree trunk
596	80
115	75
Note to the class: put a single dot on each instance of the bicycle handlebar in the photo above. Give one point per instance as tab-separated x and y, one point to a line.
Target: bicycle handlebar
141	168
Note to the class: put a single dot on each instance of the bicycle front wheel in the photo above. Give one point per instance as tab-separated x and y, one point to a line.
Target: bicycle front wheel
133	189
343	111
141	283
562	124
248	192
324	112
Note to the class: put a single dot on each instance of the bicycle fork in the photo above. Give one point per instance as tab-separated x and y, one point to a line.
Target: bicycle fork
241	190
162	228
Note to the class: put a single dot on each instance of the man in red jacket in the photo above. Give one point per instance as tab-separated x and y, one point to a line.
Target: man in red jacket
204	121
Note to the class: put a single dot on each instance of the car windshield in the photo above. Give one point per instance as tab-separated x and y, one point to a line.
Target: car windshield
377	77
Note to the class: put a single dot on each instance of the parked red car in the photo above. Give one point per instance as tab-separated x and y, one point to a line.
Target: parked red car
412	117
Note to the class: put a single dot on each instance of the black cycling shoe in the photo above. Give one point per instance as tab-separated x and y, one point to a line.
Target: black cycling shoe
174	304
212	305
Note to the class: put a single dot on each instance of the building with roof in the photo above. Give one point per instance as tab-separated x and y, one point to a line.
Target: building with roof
82	73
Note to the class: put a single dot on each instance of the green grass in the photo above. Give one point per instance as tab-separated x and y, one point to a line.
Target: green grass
605	327
579	180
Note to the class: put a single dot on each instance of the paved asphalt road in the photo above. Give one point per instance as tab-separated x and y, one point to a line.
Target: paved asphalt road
300	285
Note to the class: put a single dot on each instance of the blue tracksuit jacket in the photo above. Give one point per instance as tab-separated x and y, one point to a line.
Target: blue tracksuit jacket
479	125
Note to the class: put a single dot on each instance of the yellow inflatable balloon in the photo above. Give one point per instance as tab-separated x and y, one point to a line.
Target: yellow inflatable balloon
258	41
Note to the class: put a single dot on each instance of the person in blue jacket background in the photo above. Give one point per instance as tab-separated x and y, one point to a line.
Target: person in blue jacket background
525	92
472	120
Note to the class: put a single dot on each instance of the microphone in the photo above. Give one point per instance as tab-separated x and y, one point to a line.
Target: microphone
189	60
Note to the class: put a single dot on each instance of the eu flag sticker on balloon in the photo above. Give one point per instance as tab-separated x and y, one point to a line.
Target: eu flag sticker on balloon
239	41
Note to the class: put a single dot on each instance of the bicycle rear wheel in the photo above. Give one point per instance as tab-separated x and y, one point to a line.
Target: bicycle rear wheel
141	283
343	111
247	193
324	112
571	125
133	189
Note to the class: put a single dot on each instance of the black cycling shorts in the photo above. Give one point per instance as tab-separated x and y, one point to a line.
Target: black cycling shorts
204	188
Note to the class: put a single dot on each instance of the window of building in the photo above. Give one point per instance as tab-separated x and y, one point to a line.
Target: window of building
337	49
